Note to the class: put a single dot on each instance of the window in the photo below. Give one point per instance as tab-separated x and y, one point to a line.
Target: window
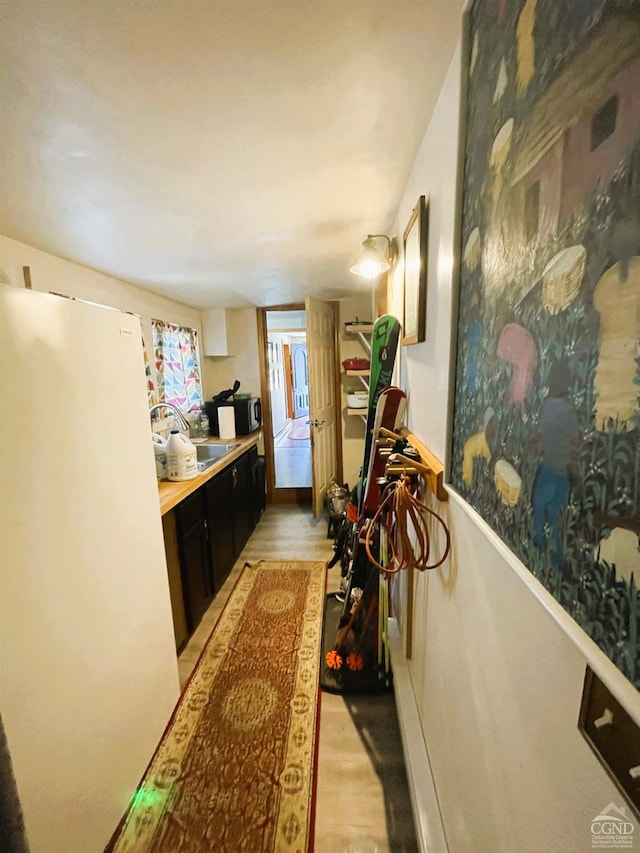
175	351
603	122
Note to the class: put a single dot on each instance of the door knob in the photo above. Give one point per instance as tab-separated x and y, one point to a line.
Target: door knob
315	422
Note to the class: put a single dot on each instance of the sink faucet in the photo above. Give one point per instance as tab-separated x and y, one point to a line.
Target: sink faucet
184	423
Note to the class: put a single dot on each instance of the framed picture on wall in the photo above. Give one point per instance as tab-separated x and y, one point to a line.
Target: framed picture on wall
415	241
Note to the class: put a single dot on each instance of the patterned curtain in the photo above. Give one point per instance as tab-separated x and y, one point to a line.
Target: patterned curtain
178	371
151	388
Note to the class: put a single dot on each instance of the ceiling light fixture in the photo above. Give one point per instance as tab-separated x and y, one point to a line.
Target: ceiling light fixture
371	261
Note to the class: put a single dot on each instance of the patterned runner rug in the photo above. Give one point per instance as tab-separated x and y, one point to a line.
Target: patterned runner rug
235	769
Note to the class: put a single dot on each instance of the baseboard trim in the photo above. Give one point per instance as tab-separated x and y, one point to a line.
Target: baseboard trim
424	800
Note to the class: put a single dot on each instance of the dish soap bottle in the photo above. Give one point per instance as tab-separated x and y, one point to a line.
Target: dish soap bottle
182	457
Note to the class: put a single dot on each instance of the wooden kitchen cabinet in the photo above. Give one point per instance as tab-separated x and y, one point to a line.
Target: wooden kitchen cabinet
229	497
204	535
242	502
176	593
219	496
193	548
258	486
230	515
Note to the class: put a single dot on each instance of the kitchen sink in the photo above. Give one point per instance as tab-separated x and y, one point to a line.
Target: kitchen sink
210	453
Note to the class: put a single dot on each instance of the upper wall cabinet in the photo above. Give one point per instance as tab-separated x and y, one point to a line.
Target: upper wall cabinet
215	340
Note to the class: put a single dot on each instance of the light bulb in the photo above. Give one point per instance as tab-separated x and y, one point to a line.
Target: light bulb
369	269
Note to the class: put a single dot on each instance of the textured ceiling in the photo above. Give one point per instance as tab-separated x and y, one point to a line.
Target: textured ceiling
219	152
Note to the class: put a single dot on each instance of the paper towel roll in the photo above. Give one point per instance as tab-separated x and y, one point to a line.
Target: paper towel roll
227	421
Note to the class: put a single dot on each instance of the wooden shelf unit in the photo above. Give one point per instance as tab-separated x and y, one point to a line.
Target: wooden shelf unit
360	329
365	328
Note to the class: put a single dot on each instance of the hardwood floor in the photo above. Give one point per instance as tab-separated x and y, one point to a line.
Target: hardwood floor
293	467
292	456
363	800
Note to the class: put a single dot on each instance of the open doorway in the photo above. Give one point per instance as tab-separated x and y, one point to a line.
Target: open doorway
287	379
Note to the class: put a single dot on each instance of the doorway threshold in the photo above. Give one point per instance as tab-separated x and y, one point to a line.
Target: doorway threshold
300	496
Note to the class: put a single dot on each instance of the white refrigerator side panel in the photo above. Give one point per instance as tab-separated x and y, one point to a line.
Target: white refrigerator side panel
87	657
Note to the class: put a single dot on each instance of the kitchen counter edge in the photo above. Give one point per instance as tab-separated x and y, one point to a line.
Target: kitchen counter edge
171	494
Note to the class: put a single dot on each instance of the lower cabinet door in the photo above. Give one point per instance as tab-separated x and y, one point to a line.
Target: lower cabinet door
194	557
195	568
219	495
258	488
242	503
174	571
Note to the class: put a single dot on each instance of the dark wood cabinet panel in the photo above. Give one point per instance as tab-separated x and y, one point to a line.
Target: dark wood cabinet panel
242	503
205	534
191	527
219	497
258	487
230	514
176	591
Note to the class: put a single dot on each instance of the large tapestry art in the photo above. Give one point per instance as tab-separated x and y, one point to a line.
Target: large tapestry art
546	419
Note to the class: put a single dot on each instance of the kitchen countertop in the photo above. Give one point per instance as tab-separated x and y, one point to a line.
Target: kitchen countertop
172	493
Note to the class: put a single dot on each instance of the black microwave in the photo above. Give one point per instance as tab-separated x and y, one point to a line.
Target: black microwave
247	412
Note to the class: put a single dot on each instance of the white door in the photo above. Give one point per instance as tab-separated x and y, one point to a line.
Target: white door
322	397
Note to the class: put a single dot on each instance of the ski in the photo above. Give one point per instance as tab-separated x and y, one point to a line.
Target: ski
389	414
386	409
384	346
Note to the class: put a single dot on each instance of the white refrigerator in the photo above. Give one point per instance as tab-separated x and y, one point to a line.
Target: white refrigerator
88	669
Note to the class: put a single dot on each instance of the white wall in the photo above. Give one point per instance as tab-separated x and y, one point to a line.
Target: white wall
51	273
219	373
497	665
289	318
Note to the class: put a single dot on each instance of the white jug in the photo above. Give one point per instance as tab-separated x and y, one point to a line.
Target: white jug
182	457
160	450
